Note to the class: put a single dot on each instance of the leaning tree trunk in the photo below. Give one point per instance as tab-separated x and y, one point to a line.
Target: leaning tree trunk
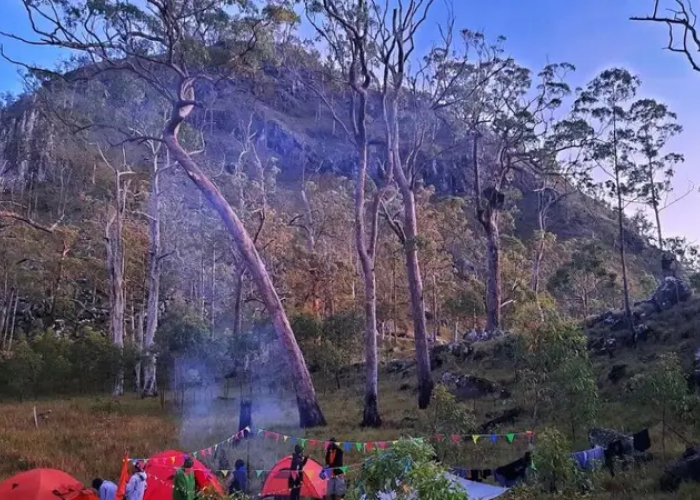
150	383
370	415
620	220
310	414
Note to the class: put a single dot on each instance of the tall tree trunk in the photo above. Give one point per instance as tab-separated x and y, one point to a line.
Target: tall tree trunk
138	338
415	286
493	284
621	229
150	382
115	271
237	302
367	253
310	414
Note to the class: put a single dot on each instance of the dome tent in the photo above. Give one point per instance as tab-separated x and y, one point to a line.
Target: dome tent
277	485
44	484
160	471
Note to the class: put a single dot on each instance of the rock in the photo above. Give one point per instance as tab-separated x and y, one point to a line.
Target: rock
686	468
472	387
506	417
604	437
398	365
617	373
671	291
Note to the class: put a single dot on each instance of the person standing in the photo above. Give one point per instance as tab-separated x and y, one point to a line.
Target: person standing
106	490
240	478
136	487
334	462
296	472
183	481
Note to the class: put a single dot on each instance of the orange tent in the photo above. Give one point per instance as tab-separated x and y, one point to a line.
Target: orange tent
44	484
160	470
277	482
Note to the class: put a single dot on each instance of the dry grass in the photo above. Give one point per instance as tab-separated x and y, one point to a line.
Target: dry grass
87	436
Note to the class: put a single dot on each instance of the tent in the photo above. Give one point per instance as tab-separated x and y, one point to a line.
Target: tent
312	486
44	484
160	469
473	489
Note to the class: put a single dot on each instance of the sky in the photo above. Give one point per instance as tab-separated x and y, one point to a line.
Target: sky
591	34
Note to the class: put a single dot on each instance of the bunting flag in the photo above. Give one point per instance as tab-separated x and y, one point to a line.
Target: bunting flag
475	437
494	438
259	473
224	473
358	445
510	437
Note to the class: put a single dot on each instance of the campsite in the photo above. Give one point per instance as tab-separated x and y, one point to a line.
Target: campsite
349	250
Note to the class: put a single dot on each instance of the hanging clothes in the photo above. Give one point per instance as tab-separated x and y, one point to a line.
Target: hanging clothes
642	441
589	459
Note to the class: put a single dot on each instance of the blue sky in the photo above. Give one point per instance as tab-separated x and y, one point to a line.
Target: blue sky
591	34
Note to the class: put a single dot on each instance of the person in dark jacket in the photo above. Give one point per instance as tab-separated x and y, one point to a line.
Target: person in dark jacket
240	478
296	474
334	464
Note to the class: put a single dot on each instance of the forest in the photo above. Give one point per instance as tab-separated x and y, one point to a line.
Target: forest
202	193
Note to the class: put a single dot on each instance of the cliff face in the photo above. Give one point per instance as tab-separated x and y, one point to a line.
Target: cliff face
293	125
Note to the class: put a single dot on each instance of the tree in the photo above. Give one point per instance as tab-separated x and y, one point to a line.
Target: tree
606	103
584	277
351	53
654	126
178	56
394	43
663	388
683	37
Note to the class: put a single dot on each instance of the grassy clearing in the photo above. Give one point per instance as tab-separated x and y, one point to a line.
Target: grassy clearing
88	436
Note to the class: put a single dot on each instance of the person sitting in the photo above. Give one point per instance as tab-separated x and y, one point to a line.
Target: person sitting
240	478
106	490
334	462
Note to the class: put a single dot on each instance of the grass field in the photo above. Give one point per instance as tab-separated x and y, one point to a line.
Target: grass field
88	436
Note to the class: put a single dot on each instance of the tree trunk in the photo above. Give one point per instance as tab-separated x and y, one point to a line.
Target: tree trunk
370	415
620	220
237	299
150	383
493	284
138	379
415	284
115	271
310	414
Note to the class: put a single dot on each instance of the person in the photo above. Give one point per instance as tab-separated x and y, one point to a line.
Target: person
183	481
106	490
136	487
334	462
240	478
296	472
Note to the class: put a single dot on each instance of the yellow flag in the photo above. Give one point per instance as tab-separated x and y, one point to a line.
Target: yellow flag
285	438
224	473
475	438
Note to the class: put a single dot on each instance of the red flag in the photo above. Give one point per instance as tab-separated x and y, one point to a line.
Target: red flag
369	446
123	478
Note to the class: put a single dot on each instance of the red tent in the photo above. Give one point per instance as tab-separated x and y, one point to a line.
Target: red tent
160	469
277	485
44	484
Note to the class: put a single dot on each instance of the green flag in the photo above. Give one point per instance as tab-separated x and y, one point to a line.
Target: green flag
258	473
344	468
359	446
510	437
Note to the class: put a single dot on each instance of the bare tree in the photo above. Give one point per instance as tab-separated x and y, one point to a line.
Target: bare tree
346	30
114	243
170	45
680	19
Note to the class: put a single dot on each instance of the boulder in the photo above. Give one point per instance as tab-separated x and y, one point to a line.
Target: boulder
469	386
617	373
671	291
686	468
399	365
